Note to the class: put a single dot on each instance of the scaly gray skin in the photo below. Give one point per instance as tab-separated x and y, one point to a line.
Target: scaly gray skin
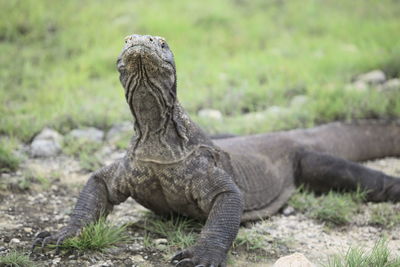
173	167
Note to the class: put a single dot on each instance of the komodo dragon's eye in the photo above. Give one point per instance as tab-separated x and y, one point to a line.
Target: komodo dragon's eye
162	45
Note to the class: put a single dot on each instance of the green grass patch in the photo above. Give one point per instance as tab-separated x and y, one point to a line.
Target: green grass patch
58	67
333	208
379	256
181	232
8	161
384	215
251	240
16	259
97	236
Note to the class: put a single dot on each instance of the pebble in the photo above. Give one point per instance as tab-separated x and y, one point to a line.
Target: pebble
137	258
27	230
289	210
293	260
373	77
135	247
56	260
14	241
161	241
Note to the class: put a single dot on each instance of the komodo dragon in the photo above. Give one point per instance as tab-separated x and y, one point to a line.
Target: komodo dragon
173	167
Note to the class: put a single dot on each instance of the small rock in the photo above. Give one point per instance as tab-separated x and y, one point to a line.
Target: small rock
3	249
293	260
137	258
56	261
27	230
15	241
118	131
49	134
289	210
46	144
90	134
391	85
372	77
135	247
210	114
161	241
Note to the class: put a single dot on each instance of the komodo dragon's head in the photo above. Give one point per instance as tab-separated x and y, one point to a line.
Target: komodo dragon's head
147	61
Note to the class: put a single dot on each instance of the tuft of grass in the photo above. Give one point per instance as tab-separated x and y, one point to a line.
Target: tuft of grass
251	240
16	259
97	236
181	232
384	215
333	208
379	256
8	161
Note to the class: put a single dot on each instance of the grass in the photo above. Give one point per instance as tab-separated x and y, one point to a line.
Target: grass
251	240
16	259
85	151
334	208
235	56
97	236
8	160
384	215
379	256
181	232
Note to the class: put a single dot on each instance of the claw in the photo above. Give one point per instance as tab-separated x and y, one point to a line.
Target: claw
45	241
180	256
185	263
39	239
58	245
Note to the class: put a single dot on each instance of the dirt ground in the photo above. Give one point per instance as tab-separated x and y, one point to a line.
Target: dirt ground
33	207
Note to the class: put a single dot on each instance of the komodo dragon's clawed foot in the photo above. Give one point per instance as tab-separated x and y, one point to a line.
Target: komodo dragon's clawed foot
45	238
199	257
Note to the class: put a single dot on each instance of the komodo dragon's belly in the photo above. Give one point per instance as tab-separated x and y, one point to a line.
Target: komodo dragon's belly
265	185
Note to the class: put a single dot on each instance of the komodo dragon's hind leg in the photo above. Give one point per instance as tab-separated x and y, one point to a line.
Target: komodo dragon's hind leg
322	172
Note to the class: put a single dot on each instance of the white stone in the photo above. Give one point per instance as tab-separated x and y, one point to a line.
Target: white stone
391	85
46	144
372	77
137	258
45	148
210	114
49	134
160	241
14	242
293	260
90	134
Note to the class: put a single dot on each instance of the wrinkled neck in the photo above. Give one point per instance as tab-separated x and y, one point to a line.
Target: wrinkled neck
161	125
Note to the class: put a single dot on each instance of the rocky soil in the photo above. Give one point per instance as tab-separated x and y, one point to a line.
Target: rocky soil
41	194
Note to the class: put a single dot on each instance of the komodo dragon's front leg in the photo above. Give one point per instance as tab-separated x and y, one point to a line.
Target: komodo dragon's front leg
218	194
96	199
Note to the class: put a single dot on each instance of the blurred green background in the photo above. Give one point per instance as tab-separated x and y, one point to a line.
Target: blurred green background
57	64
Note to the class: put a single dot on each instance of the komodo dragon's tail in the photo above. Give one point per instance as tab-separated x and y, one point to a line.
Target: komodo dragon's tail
356	141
